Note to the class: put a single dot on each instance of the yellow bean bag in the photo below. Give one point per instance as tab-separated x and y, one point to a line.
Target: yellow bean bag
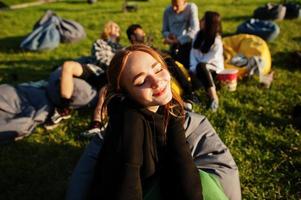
174	83
247	45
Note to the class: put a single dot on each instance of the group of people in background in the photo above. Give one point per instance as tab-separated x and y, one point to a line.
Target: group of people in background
195	43
145	144
137	125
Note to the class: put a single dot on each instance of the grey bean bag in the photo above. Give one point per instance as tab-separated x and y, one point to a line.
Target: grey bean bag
69	30
22	108
211	154
44	37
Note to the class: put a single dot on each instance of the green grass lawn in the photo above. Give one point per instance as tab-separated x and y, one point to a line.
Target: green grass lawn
255	123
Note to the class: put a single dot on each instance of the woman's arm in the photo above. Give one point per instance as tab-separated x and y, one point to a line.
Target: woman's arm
132	156
194	25
101	98
185	172
165	25
69	69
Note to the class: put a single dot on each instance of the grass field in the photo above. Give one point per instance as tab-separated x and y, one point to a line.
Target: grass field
255	123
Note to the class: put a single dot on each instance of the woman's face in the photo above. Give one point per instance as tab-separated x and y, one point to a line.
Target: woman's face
115	31
146	81
178	5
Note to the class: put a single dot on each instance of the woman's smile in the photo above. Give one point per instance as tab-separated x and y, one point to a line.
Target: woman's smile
160	92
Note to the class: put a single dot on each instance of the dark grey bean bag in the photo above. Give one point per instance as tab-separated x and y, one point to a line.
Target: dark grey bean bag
69	30
293	10
270	12
211	154
267	30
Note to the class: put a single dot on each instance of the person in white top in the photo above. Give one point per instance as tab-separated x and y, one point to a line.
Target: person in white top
206	55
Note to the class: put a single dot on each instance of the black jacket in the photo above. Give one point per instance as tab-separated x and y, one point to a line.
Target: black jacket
134	153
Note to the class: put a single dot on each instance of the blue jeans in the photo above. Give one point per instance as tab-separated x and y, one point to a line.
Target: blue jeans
82	176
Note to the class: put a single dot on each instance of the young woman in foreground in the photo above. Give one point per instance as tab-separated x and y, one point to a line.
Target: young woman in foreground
145	141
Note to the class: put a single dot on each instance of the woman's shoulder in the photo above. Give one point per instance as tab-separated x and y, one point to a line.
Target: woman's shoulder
218	42
218	38
168	9
192	6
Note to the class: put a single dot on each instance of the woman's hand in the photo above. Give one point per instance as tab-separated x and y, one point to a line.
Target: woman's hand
171	39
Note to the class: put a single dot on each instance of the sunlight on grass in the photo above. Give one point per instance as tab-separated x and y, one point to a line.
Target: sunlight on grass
254	122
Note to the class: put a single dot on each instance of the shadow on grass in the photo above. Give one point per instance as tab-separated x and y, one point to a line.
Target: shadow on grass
3	5
13	75
43	64
279	153
10	44
267	120
283	162
32	170
259	117
297	39
287	60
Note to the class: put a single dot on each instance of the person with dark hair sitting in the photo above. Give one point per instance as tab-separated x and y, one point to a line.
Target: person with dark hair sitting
206	55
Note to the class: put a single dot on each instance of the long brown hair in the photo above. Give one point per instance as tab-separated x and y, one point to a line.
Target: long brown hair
206	36
115	70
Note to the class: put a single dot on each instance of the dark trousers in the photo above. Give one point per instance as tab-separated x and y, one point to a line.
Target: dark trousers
181	53
205	75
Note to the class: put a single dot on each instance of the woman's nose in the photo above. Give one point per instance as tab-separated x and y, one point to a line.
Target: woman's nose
155	82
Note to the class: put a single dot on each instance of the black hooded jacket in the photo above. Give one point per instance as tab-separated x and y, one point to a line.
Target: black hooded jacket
134	153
